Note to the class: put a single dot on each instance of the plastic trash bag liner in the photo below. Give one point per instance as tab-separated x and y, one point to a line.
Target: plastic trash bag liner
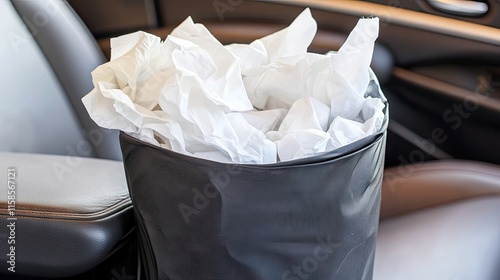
310	218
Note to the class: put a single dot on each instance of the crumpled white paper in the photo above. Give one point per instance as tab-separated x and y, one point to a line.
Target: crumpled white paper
264	102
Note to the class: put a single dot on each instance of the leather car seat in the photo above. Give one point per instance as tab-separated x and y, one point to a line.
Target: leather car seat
72	207
439	220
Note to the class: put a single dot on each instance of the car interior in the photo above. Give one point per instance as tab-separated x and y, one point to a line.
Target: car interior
438	64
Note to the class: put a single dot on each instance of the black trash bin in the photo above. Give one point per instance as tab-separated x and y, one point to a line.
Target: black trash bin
313	218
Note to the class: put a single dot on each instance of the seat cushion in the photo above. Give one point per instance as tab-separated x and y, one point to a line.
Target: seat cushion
459	240
69	212
412	187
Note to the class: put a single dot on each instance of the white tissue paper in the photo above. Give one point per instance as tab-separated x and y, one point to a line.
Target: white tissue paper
264	102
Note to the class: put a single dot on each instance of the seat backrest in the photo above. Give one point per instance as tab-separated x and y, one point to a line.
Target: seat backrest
47	56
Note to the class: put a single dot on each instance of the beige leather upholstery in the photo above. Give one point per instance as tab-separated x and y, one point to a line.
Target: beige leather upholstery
413	187
456	241
440	220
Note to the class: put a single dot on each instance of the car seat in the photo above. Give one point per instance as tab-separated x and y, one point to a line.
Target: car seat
71	200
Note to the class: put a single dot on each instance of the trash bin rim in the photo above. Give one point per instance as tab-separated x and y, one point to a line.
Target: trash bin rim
345	151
